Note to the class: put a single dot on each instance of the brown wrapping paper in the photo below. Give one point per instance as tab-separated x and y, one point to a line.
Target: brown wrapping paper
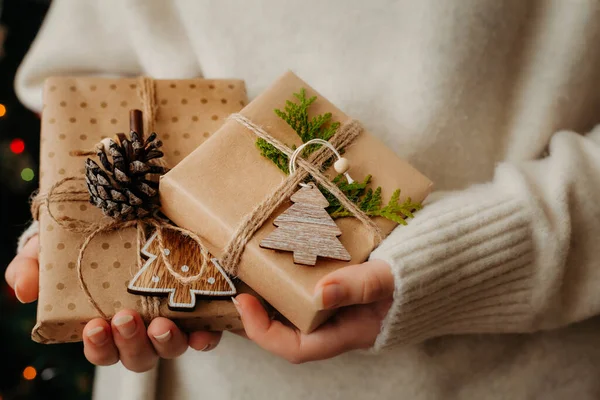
78	112
211	190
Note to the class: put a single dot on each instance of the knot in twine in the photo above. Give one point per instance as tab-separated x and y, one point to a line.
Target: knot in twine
90	230
344	136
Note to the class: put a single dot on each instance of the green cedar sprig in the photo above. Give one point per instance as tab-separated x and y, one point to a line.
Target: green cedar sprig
320	126
369	201
296	116
269	151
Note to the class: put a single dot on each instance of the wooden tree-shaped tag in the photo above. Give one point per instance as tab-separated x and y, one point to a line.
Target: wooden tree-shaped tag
307	229
181	268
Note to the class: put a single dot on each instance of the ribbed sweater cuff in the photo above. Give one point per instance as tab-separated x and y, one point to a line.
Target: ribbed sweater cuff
30	232
463	265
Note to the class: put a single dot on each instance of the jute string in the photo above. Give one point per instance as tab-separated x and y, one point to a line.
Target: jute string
87	228
150	305
344	136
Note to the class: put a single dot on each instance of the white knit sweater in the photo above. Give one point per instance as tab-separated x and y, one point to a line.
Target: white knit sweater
490	99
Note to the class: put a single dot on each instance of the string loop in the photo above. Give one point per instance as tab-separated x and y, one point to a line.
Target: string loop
296	153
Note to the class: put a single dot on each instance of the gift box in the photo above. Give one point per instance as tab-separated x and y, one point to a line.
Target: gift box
216	190
77	114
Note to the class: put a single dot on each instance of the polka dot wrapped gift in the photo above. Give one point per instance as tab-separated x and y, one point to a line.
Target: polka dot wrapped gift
77	114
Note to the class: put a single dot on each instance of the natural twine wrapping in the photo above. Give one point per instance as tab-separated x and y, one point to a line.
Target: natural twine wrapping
345	135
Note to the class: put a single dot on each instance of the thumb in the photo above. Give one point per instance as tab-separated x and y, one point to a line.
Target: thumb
356	284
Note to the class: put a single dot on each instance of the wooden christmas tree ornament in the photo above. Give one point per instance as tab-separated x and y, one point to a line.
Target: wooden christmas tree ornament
306	228
179	266
124	185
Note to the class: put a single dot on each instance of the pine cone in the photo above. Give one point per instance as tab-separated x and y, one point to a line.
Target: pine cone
122	189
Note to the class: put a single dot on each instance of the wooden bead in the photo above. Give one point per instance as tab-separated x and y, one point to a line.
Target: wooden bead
342	165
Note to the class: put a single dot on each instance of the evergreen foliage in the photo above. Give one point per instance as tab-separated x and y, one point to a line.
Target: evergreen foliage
320	126
369	201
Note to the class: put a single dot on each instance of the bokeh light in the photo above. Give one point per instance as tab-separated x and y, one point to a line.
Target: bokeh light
29	373
48	373
17	146
27	174
2	110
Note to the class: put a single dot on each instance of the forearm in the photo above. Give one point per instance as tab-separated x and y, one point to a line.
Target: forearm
514	255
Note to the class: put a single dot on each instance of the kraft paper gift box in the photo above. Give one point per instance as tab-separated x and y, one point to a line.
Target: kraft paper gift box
78	113
218	184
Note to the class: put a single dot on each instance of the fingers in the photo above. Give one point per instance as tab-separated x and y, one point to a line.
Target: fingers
356	284
167	338
22	274
271	335
204	340
135	349
98	345
352	328
285	341
138	349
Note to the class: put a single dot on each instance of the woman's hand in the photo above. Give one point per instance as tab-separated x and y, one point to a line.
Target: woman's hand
364	291
125	338
23	272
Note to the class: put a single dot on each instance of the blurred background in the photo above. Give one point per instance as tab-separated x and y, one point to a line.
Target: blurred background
27	370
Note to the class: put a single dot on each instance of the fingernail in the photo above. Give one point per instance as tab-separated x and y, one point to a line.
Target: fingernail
237	305
164	337
97	335
17	293
125	325
331	295
207	347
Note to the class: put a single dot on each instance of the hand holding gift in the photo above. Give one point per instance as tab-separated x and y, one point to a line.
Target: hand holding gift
328	224
365	293
366	288
125	338
80	112
85	273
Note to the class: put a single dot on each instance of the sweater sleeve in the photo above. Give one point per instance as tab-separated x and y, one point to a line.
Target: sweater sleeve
518	254
77	37
30	232
106	38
